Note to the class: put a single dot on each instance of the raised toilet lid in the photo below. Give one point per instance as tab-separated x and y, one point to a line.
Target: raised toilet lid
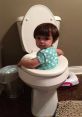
36	15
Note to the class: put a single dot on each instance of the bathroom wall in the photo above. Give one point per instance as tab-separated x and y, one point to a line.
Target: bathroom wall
70	33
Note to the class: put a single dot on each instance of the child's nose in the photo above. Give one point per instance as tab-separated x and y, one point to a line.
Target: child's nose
41	40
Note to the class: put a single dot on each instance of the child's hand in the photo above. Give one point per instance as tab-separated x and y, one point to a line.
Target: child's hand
60	52
23	60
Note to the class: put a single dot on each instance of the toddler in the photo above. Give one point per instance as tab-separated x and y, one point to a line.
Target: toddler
45	35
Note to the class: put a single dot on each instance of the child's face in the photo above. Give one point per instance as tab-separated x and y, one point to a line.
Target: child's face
44	42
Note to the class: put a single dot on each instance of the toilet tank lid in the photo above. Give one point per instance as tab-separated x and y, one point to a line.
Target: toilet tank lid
20	18
57	18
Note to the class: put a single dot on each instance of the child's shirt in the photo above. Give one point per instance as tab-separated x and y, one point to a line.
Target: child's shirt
48	58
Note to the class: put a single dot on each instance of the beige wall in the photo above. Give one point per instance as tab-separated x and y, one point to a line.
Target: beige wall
71	27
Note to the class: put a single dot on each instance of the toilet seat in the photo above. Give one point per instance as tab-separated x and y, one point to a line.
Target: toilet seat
30	22
58	70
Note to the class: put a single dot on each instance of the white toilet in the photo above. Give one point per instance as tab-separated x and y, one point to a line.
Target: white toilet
43	82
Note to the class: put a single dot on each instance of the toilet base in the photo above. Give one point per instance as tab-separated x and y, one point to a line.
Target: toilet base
44	103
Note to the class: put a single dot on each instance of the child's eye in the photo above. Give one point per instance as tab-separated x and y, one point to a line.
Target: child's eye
43	37
38	37
46	38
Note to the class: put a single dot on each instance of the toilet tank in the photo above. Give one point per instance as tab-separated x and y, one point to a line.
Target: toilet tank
20	19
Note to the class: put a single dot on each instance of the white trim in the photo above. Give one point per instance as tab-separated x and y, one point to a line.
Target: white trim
76	69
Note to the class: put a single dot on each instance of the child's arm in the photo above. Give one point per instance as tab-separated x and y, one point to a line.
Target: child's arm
60	52
29	63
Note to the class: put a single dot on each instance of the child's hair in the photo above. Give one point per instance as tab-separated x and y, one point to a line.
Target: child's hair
46	29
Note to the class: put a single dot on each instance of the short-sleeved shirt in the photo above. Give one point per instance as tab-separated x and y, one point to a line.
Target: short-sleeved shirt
48	58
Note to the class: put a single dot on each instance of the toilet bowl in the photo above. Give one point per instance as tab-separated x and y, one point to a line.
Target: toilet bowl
43	82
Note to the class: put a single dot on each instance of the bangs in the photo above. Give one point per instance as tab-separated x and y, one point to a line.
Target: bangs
41	31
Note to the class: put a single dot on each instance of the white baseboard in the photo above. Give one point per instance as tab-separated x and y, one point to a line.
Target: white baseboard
76	69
